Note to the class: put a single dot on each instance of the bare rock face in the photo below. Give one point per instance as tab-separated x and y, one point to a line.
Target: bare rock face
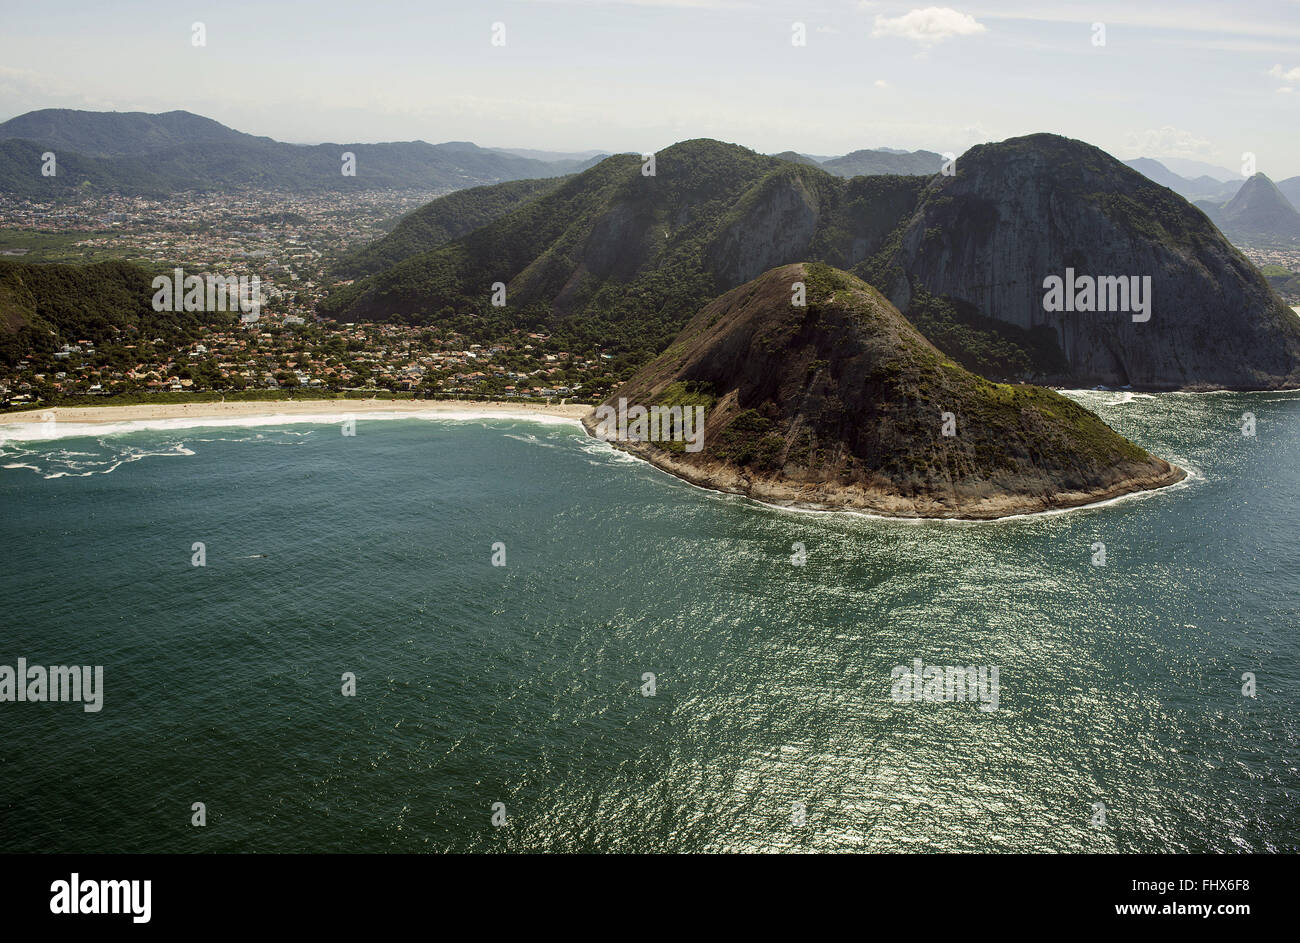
840	402
778	225
1025	209
640	253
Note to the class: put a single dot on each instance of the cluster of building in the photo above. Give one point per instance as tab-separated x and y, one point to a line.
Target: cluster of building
1271	261
287	241
288	352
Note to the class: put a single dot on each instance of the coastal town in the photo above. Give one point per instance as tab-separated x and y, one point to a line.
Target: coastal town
284	352
287	242
1281	266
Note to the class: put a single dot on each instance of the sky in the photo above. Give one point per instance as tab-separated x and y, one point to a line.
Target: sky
1208	81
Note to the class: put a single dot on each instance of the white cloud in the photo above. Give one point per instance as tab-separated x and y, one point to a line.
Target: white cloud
1289	76
1168	141
928	26
974	134
881	83
22	90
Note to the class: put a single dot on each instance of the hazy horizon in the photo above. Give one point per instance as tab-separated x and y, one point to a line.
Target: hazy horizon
1194	83
1191	167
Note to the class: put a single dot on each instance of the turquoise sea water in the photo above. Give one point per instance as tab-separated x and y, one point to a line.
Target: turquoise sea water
1119	684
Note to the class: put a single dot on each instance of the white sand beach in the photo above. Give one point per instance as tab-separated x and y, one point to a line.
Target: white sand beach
149	412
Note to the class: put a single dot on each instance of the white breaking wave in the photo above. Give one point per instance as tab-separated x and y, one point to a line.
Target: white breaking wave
58	464
593	446
30	446
28	432
531	439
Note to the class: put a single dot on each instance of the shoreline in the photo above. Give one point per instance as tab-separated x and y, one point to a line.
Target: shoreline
813	498
242	409
832	498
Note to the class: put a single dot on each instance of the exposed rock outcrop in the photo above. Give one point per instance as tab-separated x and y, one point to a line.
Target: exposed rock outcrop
628	256
842	404
1028	208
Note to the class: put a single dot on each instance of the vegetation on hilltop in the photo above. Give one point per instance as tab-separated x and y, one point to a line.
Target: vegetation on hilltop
149	155
43	306
446	218
842	402
873	162
618	259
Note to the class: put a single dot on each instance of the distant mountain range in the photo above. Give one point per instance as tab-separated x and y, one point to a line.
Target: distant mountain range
872	162
120	134
1258	212
1192	169
137	153
885	161
1203	187
1260	217
154	155
577	157
616	258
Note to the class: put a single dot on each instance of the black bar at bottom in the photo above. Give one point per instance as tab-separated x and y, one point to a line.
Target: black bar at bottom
363	892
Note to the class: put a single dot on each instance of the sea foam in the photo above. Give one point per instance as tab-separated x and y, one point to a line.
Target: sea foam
35	432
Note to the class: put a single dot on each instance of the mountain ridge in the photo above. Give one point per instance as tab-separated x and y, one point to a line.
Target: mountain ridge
1031	207
1257	211
142	154
872	161
1202	187
610	258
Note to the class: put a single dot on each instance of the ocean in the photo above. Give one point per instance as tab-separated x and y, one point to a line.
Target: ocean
655	667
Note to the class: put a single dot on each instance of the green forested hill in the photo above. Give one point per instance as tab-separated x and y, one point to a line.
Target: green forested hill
43	306
153	155
870	162
838	402
618	258
440	221
20	174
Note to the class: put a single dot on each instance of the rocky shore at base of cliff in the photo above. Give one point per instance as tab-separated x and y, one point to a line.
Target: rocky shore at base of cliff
805	387
853	496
